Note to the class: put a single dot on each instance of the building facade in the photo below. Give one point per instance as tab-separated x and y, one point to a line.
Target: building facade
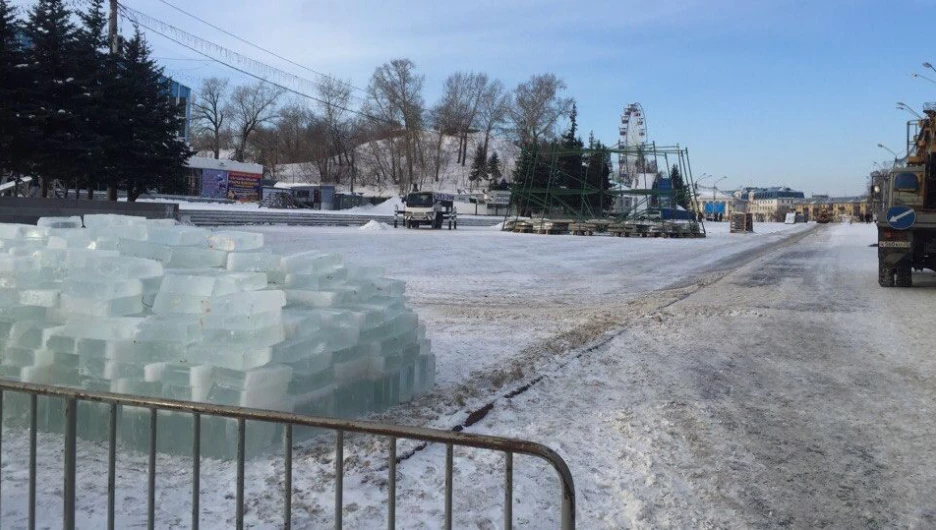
715	205
842	209
770	204
181	96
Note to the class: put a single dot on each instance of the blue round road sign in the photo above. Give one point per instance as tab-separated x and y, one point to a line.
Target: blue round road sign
901	217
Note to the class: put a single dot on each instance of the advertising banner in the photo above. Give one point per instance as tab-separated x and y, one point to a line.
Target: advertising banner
214	183
498	197
243	186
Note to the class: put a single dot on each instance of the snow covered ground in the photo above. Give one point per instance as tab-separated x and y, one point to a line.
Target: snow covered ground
742	380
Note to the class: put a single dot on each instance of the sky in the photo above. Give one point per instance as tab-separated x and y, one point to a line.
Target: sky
793	93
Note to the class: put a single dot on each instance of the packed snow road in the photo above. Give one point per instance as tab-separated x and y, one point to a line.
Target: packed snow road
791	391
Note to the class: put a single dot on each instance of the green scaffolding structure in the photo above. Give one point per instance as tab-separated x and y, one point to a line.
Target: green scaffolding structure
544	192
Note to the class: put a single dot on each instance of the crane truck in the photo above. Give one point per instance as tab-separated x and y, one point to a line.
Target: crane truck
906	219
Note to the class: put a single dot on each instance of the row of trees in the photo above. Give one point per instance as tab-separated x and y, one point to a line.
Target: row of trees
387	134
74	110
564	173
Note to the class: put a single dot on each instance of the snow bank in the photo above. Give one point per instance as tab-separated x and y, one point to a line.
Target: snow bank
374	225
384	208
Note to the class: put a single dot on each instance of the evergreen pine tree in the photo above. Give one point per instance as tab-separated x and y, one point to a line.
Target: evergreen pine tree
524	178
598	175
680	194
569	162
478	165
93	107
53	128
493	168
11	92
147	153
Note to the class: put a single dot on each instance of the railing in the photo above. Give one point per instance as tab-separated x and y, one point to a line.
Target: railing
451	439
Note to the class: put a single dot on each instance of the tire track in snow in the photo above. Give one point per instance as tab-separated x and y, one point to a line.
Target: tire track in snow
657	301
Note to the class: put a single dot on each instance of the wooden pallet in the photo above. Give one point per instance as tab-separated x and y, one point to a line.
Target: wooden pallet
583	229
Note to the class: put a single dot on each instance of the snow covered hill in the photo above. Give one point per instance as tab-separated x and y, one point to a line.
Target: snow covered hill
373	179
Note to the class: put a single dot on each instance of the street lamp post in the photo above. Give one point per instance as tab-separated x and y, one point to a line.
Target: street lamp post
889	150
928	65
921	76
695	185
903	106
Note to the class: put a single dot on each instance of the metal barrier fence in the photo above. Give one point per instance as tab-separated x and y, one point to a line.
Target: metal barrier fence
304	218
72	397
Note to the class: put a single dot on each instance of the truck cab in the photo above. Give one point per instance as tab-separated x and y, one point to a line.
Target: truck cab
906	223
427	208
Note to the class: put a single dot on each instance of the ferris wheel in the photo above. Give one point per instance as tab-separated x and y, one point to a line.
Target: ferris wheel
633	135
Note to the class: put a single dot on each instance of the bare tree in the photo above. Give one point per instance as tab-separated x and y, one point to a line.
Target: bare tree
442	125
210	113
395	97
284	141
494	109
537	107
266	149
251	107
457	111
357	132
293	126
334	100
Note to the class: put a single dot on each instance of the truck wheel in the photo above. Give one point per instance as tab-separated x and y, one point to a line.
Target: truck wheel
904	277
885	275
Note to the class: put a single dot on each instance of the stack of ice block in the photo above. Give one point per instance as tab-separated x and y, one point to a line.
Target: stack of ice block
153	308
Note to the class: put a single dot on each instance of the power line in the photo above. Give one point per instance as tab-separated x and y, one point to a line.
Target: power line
199	44
134	16
181	59
266	71
274	54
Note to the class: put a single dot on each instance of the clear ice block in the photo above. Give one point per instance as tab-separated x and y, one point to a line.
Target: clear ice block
145	249
112	307
310	262
176	236
260	261
235	241
194	258
99	220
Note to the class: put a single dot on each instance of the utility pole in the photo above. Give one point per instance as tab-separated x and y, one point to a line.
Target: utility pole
112	38
112	26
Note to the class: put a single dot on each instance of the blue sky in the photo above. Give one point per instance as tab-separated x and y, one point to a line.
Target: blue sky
765	92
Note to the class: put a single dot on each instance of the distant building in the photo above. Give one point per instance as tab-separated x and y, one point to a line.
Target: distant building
21	39
841	208
769	204
714	203
181	95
